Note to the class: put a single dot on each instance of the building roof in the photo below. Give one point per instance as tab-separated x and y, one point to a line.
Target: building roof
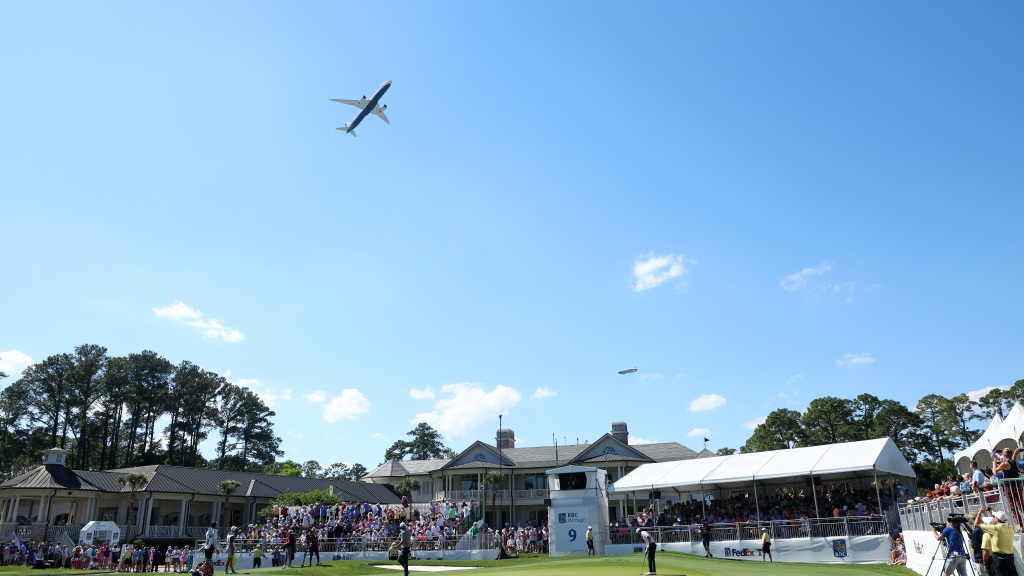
546	457
182	480
50	476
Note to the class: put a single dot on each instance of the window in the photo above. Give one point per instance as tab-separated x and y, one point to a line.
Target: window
572	481
535	481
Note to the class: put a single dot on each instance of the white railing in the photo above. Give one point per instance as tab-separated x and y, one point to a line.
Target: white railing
779	530
1007	495
479	495
459	495
56	533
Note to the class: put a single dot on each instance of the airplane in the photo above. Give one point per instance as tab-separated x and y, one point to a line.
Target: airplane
366	107
627	370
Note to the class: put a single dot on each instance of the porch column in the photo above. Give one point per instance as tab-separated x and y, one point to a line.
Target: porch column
42	509
182	517
13	512
148	516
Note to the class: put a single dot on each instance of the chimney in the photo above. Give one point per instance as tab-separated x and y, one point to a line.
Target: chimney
506	438
620	432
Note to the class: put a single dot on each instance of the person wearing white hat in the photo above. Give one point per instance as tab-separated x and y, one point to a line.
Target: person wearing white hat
404	543
766	545
1002	541
651	547
590	541
229	565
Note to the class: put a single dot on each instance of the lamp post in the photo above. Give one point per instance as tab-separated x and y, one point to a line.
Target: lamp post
497	439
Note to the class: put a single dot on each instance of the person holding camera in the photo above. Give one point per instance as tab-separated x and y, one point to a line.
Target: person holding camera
1008	469
956	553
1001	534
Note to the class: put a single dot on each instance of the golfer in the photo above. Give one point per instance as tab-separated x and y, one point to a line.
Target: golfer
211	543
590	541
651	547
404	542
766	545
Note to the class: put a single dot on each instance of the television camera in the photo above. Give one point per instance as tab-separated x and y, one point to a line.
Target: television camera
958	521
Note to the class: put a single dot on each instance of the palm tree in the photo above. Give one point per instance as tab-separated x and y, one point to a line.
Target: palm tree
133	482
407	486
227	488
492	480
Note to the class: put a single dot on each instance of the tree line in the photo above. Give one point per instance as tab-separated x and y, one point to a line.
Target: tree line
105	410
928	435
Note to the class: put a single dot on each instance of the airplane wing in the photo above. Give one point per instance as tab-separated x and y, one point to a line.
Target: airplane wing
361	103
380	112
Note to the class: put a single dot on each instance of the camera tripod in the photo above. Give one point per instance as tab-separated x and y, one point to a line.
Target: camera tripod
944	548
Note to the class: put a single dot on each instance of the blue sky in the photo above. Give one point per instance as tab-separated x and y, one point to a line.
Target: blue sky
755	204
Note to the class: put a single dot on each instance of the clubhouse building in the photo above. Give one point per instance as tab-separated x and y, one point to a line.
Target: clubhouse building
51	501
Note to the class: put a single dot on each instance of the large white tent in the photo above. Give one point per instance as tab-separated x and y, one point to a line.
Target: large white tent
1001	433
864	459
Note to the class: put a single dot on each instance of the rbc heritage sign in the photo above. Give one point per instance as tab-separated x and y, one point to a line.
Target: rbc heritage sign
839	548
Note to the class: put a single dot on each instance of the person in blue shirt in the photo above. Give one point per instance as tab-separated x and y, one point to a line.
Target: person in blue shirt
956	553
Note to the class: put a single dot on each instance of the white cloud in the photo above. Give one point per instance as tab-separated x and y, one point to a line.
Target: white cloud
794	378
655	376
269	395
651	271
543	392
976	395
755	423
706	402
699	432
467	406
317	397
633	440
789	400
798	280
181	312
346	406
12	362
422	393
379	436
850	360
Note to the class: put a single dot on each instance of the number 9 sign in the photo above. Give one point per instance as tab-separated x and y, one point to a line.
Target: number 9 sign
572	535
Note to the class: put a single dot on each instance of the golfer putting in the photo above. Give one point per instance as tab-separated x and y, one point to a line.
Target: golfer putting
651	546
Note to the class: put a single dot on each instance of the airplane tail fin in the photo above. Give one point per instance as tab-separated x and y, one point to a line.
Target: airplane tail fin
347	128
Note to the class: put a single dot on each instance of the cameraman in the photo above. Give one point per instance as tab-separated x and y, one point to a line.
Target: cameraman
1002	542
956	553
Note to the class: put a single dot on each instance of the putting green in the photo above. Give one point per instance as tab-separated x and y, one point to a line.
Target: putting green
669	564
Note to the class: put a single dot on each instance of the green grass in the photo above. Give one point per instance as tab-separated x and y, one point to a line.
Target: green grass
669	564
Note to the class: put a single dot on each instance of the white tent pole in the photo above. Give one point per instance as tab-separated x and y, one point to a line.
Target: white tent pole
877	493
756	505
702	498
817	514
